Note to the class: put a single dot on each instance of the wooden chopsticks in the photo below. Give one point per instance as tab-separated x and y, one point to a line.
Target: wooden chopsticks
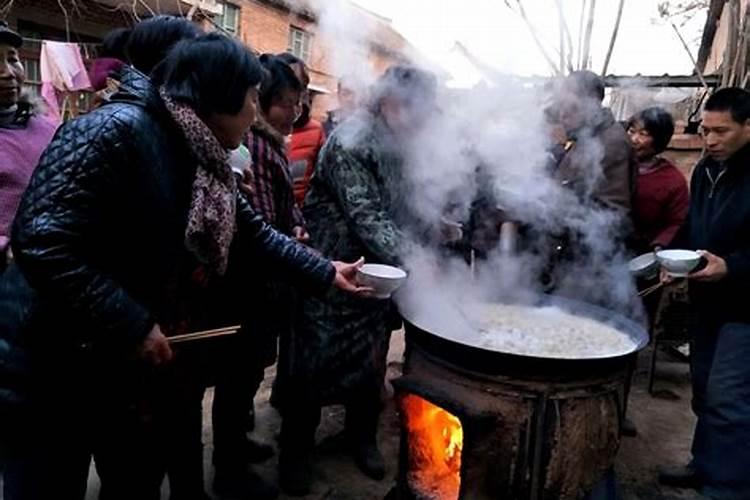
650	290
204	334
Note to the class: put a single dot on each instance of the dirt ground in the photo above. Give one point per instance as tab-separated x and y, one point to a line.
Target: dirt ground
664	426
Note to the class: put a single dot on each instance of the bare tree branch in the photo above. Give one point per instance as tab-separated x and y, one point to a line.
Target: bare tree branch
587	37
579	64
5	8
67	19
614	38
537	41
566	30
149	9
690	54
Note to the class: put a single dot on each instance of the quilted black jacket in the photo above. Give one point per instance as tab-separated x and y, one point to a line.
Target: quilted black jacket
99	234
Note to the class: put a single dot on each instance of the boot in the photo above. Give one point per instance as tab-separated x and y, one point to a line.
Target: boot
628	428
295	473
370	461
236	483
361	429
682	476
256	451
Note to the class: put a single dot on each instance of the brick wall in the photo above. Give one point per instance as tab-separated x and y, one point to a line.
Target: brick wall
265	28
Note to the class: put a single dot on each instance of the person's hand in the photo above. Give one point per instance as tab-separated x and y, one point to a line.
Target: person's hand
450	231
155	348
664	277
300	234
346	277
715	269
246	183
558	134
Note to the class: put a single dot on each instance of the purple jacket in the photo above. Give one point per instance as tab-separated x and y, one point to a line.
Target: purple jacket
20	149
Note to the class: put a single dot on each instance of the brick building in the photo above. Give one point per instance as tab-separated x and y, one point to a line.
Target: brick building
279	25
265	25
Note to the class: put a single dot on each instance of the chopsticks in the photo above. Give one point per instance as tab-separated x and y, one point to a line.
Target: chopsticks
650	290
204	334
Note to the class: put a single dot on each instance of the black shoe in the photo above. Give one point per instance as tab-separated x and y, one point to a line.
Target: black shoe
256	451
242	484
628	428
683	476
369	460
295	474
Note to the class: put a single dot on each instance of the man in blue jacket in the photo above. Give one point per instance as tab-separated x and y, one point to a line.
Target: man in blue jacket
718	226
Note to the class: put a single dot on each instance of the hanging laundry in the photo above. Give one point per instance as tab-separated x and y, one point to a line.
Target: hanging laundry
62	70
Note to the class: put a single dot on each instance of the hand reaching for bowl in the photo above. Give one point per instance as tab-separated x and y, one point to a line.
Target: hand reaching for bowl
714	270
346	277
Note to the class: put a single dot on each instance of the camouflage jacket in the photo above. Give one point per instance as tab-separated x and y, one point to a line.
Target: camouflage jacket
353	209
356	194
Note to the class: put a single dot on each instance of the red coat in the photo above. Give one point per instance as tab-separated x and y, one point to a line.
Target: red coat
660	205
304	148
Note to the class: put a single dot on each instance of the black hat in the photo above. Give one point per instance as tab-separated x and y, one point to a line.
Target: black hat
8	36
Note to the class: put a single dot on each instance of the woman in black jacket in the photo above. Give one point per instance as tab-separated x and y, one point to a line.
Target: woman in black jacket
130	232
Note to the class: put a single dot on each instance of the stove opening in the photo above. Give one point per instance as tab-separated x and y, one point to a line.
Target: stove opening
435	440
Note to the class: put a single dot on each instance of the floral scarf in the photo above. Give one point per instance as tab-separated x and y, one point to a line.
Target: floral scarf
212	217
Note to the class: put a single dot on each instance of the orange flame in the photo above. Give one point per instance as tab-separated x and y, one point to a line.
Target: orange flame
435	440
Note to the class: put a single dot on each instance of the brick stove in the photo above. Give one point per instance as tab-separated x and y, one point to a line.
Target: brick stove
479	424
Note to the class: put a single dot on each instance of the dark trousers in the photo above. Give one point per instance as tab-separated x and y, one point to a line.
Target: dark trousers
134	441
301	420
721	402
233	402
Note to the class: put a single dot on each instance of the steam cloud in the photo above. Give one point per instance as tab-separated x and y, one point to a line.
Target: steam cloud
502	130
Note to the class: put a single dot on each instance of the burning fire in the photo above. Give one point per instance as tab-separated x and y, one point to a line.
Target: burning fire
435	440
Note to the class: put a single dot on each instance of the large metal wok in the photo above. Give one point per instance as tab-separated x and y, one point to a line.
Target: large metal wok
437	339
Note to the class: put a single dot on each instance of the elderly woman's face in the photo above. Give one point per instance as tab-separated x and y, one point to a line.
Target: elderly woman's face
230	130
12	76
642	141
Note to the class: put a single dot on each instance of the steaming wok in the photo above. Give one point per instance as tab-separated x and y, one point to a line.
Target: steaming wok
435	338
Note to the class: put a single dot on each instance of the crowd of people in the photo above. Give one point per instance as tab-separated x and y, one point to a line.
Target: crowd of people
201	193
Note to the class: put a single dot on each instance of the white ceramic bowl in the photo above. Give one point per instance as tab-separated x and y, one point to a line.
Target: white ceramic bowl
644	266
384	280
678	263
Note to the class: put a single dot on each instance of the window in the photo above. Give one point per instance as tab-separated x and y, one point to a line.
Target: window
33	75
299	43
229	19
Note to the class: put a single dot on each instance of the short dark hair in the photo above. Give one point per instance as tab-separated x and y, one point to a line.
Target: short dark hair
658	123
151	40
115	43
586	84
211	74
732	99
279	78
406	83
291	59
